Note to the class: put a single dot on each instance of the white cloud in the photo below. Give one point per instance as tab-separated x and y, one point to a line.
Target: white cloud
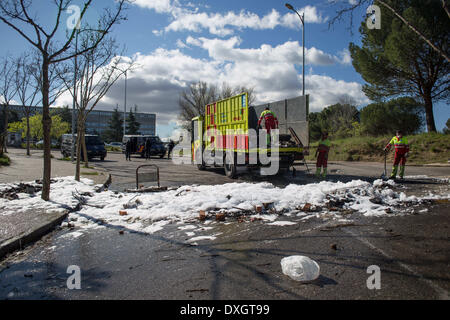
223	24
11	101
345	56
288	52
181	44
156	83
160	6
188	18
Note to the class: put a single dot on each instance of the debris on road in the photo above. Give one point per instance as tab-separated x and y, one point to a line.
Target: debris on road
202	215
220	216
300	268
105	186
234	202
148	190
12	192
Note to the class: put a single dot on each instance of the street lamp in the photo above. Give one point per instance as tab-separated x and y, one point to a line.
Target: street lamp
72	153
302	19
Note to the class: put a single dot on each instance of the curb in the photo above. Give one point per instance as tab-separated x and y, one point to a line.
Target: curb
17	243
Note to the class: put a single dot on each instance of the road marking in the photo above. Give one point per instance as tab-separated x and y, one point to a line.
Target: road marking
442	293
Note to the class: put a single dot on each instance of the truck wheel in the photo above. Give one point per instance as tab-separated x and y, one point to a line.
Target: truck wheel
102	158
230	166
201	167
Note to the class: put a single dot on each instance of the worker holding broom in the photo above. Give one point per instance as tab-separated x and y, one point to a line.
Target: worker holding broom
322	150
401	146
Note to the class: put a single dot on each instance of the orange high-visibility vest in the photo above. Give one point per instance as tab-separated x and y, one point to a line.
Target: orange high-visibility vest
401	145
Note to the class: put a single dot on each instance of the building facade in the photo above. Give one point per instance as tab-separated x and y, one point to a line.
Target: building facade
97	121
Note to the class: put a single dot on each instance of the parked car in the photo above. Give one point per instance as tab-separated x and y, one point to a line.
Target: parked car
114	144
138	145
94	145
54	143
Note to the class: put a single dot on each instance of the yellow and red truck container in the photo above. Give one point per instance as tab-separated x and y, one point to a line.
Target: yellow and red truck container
224	129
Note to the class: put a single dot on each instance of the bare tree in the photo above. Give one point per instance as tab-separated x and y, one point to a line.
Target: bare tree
226	91
353	5
192	101
17	15
7	93
97	70
27	87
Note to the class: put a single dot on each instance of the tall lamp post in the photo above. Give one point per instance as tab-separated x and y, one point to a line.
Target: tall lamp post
125	106
302	19
72	152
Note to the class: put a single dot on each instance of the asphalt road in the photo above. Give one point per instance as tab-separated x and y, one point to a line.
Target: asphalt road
124	172
243	262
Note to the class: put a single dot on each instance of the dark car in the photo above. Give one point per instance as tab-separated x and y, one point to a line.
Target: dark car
94	146
138	145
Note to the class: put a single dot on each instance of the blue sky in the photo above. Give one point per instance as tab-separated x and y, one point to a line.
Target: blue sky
247	42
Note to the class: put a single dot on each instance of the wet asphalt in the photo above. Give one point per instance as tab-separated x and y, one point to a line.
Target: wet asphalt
243	262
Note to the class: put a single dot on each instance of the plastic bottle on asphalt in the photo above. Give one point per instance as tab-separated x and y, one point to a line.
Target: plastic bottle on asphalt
300	268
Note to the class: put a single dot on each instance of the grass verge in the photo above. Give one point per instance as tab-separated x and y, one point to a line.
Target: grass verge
4	160
89	173
425	148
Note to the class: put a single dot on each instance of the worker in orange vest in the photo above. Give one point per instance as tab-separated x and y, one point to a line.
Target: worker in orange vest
270	122
401	146
322	150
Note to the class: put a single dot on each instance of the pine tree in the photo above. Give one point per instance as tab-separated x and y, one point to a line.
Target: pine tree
115	127
395	62
132	125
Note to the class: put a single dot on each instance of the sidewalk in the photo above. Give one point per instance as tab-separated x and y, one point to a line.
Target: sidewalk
22	228
25	227
25	169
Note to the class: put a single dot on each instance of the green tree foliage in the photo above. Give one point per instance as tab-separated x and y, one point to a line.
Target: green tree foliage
65	113
12	117
132	125
59	127
115	127
387	117
395	62
447	128
338	120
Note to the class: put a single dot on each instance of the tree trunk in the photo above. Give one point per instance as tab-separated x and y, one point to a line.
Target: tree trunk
85	154
46	126
28	134
1	144
431	126
78	149
5	135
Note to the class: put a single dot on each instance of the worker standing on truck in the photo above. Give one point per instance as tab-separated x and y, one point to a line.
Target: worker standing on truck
270	122
401	153
322	160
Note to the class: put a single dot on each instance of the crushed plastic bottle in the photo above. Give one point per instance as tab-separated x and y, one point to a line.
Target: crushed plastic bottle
300	268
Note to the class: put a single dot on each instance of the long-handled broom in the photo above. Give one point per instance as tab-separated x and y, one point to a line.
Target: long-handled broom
384	175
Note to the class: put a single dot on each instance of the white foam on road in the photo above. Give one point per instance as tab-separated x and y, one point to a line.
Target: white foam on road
151	212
